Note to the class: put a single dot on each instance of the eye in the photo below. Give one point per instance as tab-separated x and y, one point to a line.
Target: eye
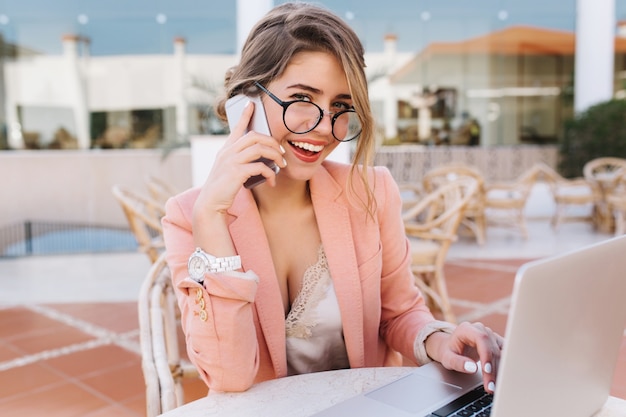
341	106
301	97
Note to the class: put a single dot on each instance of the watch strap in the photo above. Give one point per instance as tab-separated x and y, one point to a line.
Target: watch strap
213	264
224	264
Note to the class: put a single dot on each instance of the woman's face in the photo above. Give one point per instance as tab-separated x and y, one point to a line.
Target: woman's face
316	77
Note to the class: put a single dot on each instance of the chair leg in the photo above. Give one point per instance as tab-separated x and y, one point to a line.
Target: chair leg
620	222
442	290
557	217
481	230
521	221
433	287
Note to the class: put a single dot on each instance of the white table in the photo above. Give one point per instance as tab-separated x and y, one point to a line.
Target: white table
304	395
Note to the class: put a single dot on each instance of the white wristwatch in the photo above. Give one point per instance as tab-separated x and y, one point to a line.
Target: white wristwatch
201	263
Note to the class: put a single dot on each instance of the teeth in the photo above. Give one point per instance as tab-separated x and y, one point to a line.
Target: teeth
308	146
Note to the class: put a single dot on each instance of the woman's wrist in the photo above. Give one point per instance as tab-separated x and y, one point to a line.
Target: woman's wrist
210	232
429	339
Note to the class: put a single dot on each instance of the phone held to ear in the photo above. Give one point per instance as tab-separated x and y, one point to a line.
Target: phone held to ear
234	108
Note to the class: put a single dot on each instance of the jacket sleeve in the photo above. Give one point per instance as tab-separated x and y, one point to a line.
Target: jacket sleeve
404	311
217	318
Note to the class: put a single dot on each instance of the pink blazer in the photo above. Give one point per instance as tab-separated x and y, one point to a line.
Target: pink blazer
235	328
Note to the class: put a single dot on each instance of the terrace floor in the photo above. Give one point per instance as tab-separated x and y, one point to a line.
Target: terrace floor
69	334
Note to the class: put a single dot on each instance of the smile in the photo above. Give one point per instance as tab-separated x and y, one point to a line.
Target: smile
307	146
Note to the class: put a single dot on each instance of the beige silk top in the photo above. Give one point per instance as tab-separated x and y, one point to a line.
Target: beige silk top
314	333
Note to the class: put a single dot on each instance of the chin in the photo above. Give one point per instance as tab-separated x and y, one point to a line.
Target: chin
300	174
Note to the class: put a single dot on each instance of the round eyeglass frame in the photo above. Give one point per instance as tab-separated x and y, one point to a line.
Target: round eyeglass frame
286	104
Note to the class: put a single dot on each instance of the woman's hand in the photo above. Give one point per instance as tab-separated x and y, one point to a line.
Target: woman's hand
234	164
468	344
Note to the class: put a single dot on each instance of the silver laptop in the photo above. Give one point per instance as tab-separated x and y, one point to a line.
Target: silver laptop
564	330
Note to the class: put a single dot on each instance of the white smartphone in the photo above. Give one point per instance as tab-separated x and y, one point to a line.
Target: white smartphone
234	108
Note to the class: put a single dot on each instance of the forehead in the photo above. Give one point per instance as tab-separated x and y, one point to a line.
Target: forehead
321	70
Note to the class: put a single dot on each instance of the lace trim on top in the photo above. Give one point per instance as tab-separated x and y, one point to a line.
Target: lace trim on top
315	284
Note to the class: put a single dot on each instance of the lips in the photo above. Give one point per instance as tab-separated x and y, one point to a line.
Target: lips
306	152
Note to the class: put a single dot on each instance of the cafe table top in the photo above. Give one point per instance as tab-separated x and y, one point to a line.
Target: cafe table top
307	394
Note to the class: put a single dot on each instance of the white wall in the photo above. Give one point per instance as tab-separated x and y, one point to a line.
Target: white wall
75	186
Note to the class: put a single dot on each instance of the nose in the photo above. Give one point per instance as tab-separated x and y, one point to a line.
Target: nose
325	125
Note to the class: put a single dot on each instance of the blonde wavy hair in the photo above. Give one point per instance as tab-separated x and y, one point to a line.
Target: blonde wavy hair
291	28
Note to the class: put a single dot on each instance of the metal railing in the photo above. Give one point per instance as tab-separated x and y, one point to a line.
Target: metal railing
48	238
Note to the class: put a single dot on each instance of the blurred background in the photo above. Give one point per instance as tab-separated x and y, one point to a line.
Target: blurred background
80	81
106	110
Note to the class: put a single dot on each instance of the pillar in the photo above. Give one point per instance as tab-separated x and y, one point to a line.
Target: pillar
182	109
595	52
77	89
248	13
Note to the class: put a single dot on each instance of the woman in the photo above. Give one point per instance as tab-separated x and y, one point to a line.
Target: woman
309	271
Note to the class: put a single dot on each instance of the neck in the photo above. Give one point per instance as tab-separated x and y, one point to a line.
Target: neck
287	194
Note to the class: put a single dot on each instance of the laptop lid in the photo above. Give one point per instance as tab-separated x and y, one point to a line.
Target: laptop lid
562	340
563	333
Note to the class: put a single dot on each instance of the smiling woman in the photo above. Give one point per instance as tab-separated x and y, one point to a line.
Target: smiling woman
346	298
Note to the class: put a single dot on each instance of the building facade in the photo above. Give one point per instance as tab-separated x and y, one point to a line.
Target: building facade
512	84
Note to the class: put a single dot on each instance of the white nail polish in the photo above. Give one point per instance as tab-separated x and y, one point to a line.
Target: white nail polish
282	149
470	367
487	368
284	162
491	386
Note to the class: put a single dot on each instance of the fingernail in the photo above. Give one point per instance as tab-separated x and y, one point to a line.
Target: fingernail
282	149
491	386
284	162
470	367
487	368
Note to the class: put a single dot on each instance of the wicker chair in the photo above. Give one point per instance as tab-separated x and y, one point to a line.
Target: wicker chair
505	202
163	367
616	201
567	193
431	224
602	175
144	219
474	217
410	193
159	189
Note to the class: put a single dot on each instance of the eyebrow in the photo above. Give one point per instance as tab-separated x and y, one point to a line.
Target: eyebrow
318	91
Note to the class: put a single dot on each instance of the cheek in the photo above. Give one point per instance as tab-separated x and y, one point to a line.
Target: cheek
275	121
332	146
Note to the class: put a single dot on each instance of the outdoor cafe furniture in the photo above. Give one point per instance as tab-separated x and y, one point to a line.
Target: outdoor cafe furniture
144	219
568	193
432	223
616	201
164	367
602	174
474	214
505	201
160	190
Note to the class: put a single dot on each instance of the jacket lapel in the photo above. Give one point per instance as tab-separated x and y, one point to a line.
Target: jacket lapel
333	218
251	244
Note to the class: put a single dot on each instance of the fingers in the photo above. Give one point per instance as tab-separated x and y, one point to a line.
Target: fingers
473	345
239	159
241	127
250	146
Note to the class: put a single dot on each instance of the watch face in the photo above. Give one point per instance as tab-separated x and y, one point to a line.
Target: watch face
197	268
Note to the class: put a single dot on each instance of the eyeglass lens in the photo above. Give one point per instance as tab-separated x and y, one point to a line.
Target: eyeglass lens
304	116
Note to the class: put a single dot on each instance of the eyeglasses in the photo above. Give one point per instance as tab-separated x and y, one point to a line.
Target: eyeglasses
301	116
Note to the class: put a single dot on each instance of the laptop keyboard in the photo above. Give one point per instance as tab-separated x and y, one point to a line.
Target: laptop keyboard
476	403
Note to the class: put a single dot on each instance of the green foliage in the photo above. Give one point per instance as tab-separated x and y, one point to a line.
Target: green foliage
598	132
